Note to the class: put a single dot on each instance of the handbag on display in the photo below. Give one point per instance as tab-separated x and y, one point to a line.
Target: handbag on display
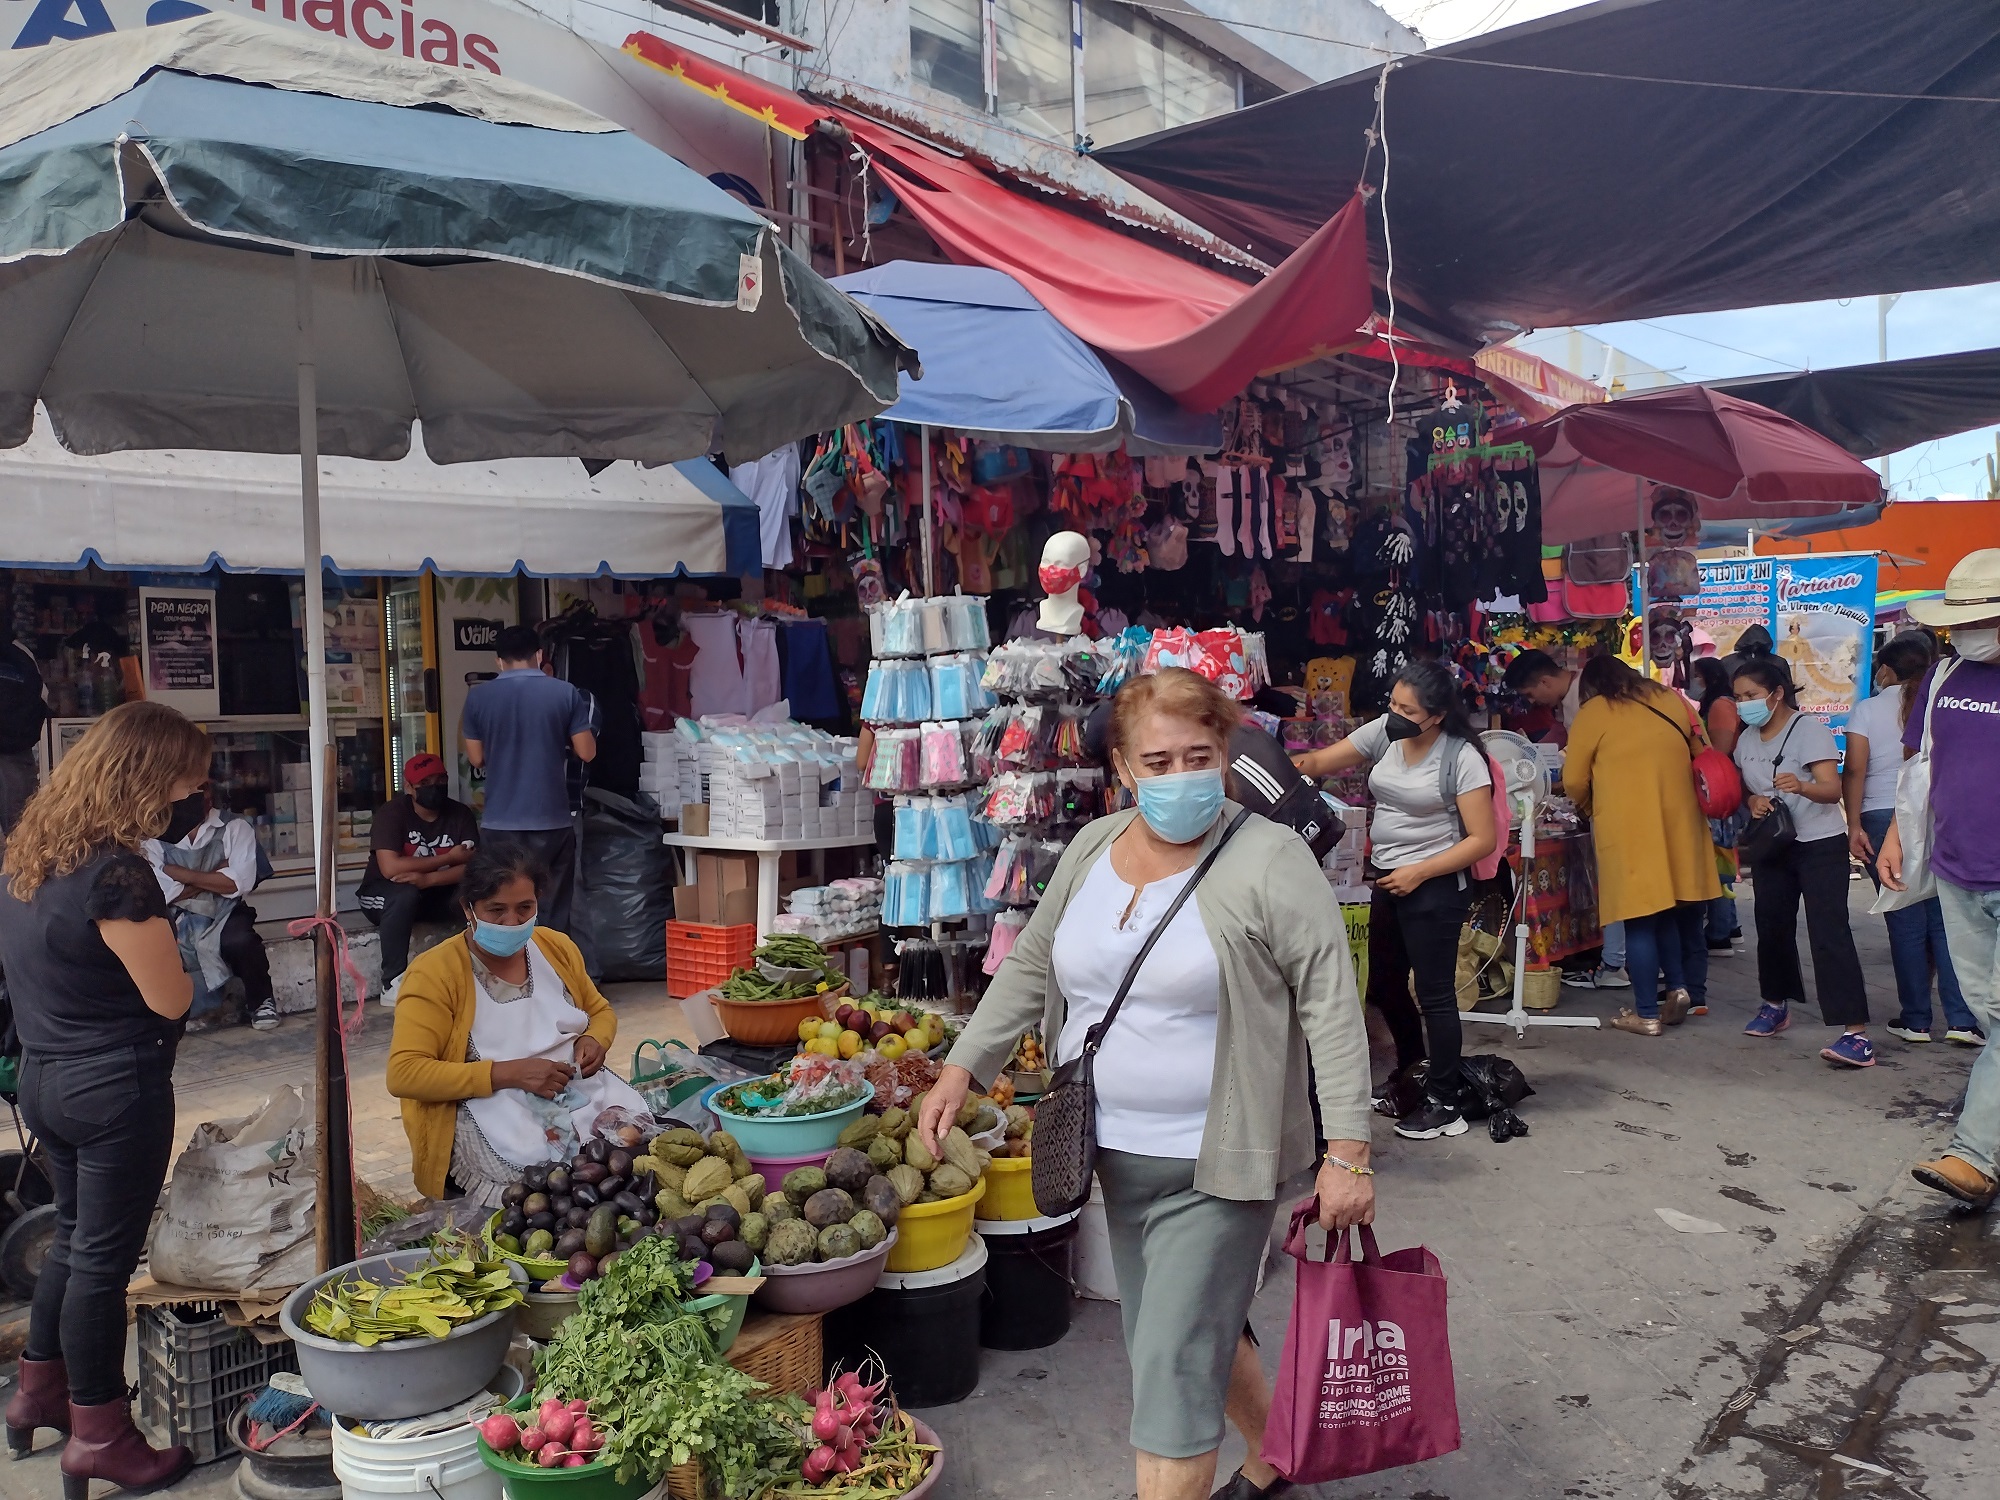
1913	815
1065	1152
1775	832
1365	1382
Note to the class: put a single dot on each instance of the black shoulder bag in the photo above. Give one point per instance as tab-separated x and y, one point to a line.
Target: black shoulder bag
1065	1151
1775	832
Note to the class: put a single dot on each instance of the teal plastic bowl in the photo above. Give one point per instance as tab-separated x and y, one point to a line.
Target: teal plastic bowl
796	1135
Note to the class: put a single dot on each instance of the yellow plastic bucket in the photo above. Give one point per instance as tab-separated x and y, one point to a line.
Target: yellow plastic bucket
1010	1189
930	1235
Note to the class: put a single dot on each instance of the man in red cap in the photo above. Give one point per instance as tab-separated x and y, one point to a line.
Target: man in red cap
423	840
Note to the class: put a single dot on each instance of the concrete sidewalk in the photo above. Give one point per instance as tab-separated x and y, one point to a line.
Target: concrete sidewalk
1599	1353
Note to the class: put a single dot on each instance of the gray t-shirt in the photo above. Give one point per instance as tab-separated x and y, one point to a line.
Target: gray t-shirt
1411	822
1810	742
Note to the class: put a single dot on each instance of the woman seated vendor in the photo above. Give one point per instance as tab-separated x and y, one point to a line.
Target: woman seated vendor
498	1051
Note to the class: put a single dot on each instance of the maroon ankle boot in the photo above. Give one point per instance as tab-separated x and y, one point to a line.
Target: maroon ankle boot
41	1399
104	1444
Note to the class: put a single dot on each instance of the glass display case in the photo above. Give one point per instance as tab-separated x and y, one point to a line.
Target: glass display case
411	677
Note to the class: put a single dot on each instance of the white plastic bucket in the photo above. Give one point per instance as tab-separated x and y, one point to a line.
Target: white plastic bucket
447	1467
1095	1274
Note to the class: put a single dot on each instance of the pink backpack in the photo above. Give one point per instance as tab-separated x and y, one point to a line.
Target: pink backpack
1503	812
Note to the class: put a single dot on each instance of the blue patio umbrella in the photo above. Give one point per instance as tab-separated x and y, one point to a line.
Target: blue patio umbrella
998	365
218	234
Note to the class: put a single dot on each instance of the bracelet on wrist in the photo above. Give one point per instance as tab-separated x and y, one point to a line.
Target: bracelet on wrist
1348	1166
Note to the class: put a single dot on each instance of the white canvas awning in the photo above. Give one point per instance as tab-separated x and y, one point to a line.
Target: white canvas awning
186	510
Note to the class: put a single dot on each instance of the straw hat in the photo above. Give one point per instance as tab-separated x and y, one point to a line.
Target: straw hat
1971	593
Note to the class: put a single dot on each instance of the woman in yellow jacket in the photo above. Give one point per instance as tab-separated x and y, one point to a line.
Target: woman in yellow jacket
500	1039
1628	767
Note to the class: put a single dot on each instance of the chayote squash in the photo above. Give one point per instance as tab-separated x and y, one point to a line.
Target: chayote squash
949	1181
706	1179
907	1181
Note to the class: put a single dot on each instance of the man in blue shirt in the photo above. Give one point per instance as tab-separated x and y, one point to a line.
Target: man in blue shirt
520	728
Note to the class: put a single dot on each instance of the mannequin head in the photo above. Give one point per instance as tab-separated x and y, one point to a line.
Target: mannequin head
1065	559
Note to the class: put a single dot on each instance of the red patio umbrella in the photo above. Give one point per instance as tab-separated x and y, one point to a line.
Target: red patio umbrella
1745	461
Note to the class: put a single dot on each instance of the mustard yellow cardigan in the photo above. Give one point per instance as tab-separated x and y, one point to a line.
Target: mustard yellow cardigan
427	1066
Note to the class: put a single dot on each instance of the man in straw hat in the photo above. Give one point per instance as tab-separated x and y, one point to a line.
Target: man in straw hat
1961	701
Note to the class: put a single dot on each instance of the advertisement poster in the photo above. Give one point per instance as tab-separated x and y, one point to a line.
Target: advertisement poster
177	642
1820	611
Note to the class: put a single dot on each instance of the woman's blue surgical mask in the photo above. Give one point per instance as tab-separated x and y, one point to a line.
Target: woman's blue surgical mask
1756	712
1182	805
501	942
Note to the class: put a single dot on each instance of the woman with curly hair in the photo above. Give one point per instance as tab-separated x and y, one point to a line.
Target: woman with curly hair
99	999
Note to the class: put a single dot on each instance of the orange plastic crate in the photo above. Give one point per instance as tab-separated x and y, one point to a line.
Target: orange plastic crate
700	955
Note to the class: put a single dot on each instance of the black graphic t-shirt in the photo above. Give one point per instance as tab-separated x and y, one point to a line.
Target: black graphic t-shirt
400	829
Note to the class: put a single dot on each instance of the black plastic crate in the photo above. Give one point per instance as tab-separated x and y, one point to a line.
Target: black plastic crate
195	1370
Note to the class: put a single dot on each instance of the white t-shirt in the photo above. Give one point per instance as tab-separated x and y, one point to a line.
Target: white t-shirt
1879	721
1157	1065
1810	743
1572	700
1411	822
239	854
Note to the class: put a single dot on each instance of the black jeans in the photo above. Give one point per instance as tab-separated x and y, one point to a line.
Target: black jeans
243	950
107	1123
396	910
1816	872
556	847
1418	933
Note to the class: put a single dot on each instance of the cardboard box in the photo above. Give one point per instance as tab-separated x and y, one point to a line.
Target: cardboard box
694	819
716	878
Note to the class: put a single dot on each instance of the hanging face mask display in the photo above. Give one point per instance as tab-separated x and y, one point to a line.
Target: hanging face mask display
1059	580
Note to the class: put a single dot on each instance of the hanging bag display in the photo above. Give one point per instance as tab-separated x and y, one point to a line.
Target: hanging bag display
1913	815
1774	832
1066	1118
1365	1381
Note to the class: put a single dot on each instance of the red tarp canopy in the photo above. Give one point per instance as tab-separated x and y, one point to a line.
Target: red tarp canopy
1744	460
1195	333
779	108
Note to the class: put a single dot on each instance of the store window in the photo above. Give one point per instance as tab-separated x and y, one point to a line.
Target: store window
1034	65
945	51
1140	77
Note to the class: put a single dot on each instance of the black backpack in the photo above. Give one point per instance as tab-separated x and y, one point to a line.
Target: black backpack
1267	782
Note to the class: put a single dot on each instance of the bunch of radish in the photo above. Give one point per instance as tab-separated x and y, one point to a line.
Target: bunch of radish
561	1436
846	1419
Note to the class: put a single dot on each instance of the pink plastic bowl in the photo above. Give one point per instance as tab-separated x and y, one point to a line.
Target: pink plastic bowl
773	1169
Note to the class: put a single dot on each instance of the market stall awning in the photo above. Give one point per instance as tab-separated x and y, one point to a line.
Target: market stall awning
1743	460
1193	332
1875	409
1632	159
779	108
188	510
1918	540
997	365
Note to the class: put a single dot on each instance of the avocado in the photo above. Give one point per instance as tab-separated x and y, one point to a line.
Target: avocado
600	1235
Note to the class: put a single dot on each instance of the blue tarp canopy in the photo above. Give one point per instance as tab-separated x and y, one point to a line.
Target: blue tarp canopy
997	364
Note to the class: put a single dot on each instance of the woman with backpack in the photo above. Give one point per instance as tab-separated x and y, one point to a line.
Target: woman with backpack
1421	852
1796	845
1629	767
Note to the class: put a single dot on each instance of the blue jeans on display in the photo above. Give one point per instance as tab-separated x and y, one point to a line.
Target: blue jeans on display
1916	942
1667	951
1972	926
1614	945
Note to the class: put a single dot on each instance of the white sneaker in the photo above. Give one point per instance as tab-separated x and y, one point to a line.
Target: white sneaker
1612	979
1904	1034
1965	1038
389	995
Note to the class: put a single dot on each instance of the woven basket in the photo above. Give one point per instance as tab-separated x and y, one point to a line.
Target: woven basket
1541	989
784	1352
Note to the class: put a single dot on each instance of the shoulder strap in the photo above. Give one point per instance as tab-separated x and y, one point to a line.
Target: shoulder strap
1094	1038
1937	683
1685	733
1778	759
1453	748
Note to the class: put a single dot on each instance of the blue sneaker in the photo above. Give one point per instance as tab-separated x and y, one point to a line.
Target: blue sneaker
1853	1050
1769	1020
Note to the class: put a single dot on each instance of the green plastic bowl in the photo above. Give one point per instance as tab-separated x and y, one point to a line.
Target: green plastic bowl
521	1481
738	1306
537	1267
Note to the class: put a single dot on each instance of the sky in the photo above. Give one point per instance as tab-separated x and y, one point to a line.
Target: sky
1798	336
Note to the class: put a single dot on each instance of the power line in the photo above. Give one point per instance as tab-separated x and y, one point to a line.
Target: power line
1783	364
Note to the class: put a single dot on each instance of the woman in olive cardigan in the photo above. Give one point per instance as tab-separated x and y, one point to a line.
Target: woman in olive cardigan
500	1039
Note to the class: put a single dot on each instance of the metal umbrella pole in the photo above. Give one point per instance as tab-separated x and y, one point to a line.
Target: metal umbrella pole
334	1215
1645	624
930	546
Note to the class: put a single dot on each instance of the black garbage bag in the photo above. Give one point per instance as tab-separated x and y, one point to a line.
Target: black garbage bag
1492	1085
625	883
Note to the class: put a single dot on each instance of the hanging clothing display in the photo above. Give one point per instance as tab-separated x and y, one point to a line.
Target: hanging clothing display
665	669
809	683
773	482
715	683
763	682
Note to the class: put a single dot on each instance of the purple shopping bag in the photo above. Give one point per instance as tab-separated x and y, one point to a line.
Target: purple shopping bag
1365	1382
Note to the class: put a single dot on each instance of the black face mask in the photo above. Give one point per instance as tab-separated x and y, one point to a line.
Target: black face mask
431	798
184	817
1399	728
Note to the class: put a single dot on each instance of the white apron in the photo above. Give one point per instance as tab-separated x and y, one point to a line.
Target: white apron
525	1128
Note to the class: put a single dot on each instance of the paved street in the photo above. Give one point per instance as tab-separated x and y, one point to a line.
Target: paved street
1839	1338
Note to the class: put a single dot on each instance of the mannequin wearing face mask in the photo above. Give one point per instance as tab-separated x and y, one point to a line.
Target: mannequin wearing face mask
99	993
1421	848
1204	1105
422	842
1790	757
500	1038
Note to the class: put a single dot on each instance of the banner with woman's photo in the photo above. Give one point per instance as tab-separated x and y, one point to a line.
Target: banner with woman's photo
1819	610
